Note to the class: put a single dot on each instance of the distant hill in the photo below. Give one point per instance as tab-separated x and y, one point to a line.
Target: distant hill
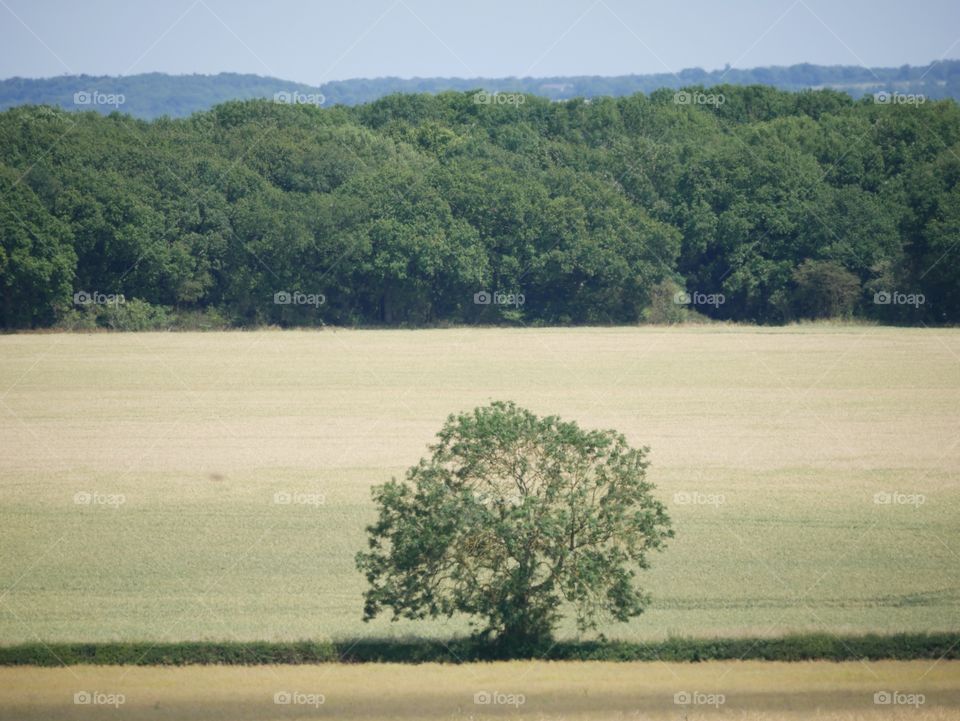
152	95
148	95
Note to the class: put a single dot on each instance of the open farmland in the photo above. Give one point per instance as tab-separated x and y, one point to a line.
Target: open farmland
216	486
748	691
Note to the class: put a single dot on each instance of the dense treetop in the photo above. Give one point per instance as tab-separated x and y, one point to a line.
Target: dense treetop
744	203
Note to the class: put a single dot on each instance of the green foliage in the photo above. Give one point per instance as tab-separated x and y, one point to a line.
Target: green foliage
138	315
664	308
401	211
135	315
37	261
511	519
801	647
825	289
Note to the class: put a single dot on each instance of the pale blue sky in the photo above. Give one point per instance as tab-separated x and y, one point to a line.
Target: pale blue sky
313	42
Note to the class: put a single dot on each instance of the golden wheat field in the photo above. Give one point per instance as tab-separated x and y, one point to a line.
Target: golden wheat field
174	486
745	690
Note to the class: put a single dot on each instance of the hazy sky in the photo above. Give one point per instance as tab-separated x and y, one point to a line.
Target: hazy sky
313	42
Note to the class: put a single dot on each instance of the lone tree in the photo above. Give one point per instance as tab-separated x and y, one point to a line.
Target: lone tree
511	520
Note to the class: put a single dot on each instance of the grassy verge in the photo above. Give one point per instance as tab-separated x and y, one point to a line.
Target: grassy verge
803	647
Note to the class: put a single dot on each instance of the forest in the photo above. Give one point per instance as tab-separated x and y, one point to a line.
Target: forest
743	203
154	95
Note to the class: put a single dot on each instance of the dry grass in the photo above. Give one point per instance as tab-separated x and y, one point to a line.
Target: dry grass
737	690
796	429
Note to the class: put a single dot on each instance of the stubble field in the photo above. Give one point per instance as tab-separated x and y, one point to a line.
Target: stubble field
746	691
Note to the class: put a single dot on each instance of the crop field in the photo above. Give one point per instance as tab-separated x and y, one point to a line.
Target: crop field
747	691
188	486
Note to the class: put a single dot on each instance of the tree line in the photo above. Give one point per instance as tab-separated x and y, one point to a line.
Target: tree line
742	203
154	95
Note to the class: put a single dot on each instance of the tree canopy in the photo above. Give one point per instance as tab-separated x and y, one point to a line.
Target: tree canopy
512	519
419	209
